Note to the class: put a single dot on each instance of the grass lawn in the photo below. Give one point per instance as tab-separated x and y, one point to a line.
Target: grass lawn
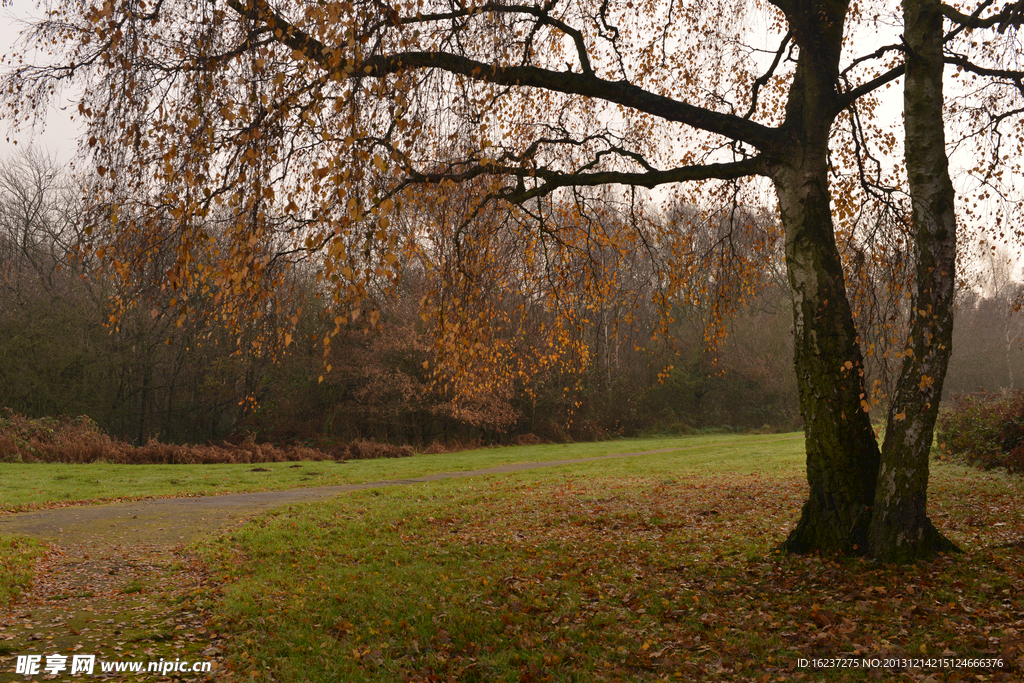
26	486
17	559
656	567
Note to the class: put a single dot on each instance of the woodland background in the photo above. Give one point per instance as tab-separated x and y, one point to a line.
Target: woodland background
151	376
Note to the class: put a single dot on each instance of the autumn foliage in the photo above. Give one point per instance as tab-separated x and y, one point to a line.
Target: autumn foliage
503	152
625	369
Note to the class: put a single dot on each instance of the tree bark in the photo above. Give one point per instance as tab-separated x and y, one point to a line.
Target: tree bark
842	452
900	528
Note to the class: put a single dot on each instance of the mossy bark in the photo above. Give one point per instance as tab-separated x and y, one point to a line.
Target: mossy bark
842	452
900	528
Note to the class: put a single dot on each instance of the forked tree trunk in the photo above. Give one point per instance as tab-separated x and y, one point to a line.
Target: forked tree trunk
900	528
842	453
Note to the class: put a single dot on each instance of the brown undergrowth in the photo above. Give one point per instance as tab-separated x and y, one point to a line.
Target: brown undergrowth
80	440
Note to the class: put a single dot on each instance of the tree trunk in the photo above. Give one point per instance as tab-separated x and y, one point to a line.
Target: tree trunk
900	528
842	453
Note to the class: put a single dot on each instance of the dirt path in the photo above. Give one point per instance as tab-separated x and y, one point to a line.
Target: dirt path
173	521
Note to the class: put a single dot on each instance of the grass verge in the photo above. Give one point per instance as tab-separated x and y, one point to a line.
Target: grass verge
18	556
653	568
125	606
26	486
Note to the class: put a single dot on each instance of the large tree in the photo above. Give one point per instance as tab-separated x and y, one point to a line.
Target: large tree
261	132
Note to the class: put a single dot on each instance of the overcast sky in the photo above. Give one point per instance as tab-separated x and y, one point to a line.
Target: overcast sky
59	135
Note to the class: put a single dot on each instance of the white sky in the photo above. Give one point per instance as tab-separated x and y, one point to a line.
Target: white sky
59	136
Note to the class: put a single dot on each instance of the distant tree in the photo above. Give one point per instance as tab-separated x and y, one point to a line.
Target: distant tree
37	225
42	300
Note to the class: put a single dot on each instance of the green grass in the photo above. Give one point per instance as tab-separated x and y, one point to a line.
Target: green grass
654	568
17	560
26	486
40	485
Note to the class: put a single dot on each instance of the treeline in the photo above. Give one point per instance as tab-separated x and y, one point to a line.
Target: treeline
151	374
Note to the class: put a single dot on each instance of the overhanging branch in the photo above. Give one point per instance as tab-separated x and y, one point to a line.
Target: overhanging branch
618	92
851	96
1014	76
551	180
567	82
1010	16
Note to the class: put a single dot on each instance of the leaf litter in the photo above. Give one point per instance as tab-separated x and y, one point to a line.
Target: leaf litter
140	602
528	578
613	579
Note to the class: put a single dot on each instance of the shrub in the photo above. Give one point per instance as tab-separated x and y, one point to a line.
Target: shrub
985	429
8	449
80	440
367	450
528	439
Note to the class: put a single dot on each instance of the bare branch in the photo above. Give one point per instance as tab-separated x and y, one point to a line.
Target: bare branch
760	82
1014	76
851	96
542	15
1010	16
